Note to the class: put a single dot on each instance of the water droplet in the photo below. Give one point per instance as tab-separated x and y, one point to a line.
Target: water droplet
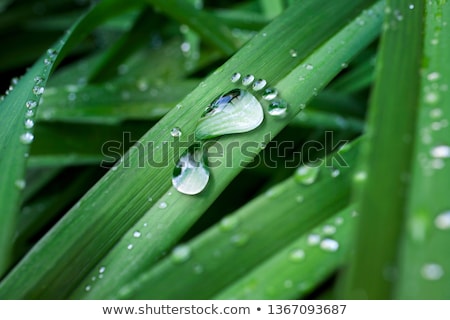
339	221
130	246
239	239
175	132
329	245
248	79
235	77
297	255
181	253
38	90
30	104
307	175
229	223
360	176
38	79
191	174
88	288
313	239
20	184
344	65
335	173
432	271
329	229
136	234
185	47
122	69
94	278
309	66
442	221
270	94
278	108
259	84
27	138
433	76
431	97
162	205
299	198
236	111
29	123
102	270
411	6
293	53
47	61
198	269
440	152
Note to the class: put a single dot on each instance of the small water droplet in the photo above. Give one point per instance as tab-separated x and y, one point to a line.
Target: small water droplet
432	271
339	221
235	77
29	123
229	223
30	104
297	255
20	184
278	108
239	239
248	79
27	138
130	246
162	205
440	152
175	132
88	288
136	234
442	221
309	66
38	90
329	245
329	229
313	239
411	6
433	76
47	61
181	253
360	176
307	175
299	198
431	97
259	84
344	65
198	269
236	111
185	47
293	53
270	94
191	173
335	173
102	270
38	79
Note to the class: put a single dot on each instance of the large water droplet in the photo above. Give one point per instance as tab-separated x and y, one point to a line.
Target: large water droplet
30	104
248	79
191	174
278	108
259	84
181	253
236	111
432	271
307	175
29	123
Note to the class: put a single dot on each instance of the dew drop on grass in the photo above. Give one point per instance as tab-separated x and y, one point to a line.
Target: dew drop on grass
329	245
181	253
30	104
432	271
88	288
307	175
136	234
360	176
329	229
20	184
293	53
239	239
175	132
130	246
259	84
411	6
440	152
228	223
162	205
191	173
236	111
309	66
297	255
313	239
433	76
442	221
27	138
38	90
29	123
270	94
278	108
102	270
235	77
248	79
198	269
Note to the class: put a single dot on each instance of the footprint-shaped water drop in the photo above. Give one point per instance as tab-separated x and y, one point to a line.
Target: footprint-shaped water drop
191	174
236	111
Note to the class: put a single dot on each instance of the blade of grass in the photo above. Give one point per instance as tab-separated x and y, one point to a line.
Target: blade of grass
424	264
380	186
95	224
15	139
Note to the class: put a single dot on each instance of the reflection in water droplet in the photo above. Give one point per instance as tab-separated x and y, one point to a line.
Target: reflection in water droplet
432	271
30	104
329	245
236	111
270	94
278	108
29	123
235	77
297	255
38	90
175	132
191	174
181	253
442	221
307	175
248	79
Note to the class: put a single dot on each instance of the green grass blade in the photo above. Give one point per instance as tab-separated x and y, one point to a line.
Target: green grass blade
425	264
380	186
15	138
96	223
